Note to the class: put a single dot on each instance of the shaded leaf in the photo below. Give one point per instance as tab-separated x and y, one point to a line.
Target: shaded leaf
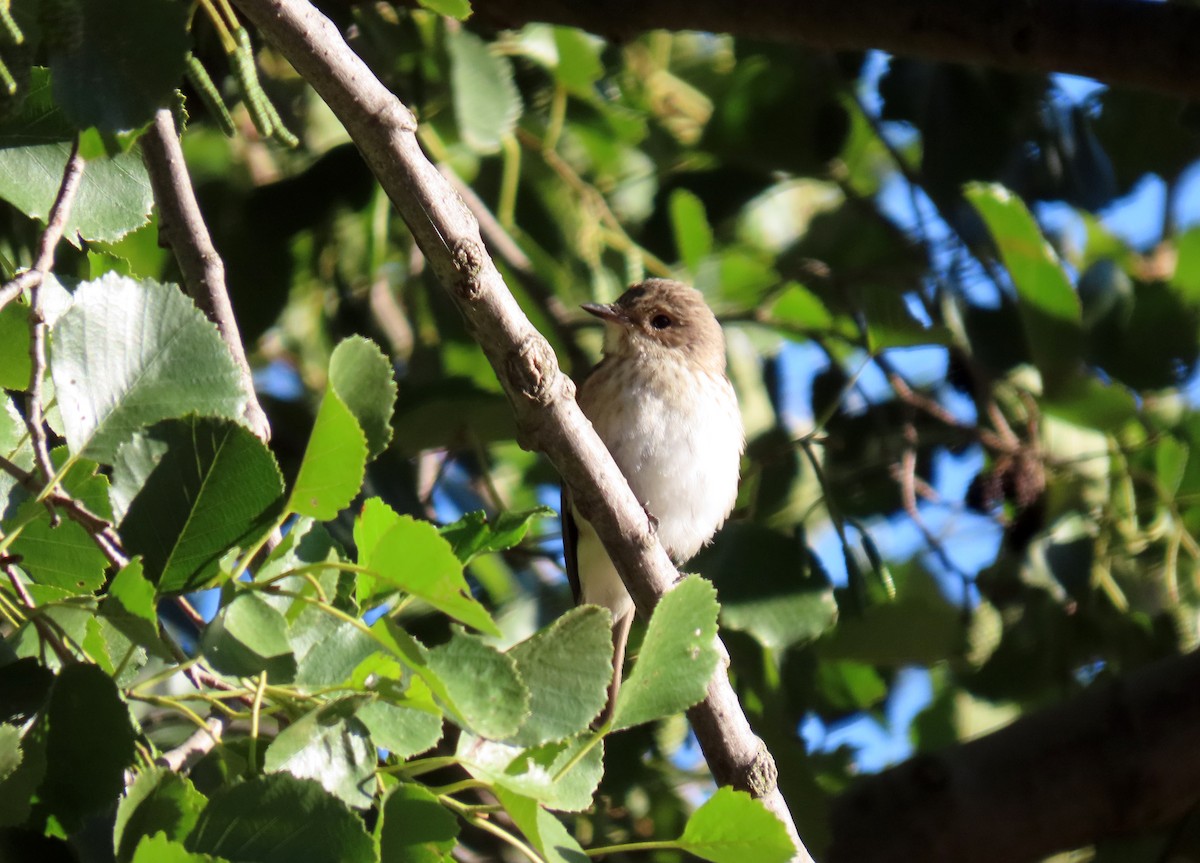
413	827
280	819
483	684
486	101
187	491
406	728
247	637
158	802
88	723
124	63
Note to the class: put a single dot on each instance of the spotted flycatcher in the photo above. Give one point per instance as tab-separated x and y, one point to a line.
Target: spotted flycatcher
662	404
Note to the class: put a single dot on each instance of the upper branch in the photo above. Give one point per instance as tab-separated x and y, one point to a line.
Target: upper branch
1146	45
1120	757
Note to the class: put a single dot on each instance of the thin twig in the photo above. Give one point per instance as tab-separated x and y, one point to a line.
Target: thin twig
181	227
15	286
100	529
195	747
45	630
55	225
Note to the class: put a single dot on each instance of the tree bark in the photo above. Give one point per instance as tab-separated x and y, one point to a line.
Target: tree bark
1119	758
1149	46
542	397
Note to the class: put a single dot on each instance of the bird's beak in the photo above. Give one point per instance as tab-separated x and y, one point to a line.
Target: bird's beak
611	313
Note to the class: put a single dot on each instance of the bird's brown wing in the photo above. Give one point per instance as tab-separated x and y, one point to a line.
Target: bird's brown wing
570	538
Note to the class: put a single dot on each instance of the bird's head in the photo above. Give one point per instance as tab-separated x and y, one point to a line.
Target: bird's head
659	319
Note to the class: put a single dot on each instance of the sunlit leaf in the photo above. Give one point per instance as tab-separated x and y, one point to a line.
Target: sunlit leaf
130	353
733	827
677	658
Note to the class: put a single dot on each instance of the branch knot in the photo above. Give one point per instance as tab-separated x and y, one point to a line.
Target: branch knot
761	775
468	258
534	369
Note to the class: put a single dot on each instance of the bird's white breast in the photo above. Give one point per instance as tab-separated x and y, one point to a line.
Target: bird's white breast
676	433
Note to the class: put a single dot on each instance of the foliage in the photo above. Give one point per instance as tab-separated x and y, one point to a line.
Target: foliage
384	628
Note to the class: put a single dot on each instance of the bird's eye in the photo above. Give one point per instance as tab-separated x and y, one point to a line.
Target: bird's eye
660	322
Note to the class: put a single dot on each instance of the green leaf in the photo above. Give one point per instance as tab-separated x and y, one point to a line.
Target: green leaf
129	605
1187	265
186	491
677	658
733	827
579	64
457	9
483	684
413	827
567	668
159	802
280	819
332	746
487	103
247	637
785	604
534	772
693	236
800	307
128	354
919	628
15	364
88	725
362	378
474	534
327	649
406	728
545	832
1170	465
18	789
10	750
114	195
410	556
63	556
1050	310
160	849
334	463
1091	403
124	62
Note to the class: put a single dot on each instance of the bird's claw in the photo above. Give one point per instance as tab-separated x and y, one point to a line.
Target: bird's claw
650	517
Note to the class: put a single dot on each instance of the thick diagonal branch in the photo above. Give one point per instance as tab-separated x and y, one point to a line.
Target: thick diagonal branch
541	395
181	226
1145	45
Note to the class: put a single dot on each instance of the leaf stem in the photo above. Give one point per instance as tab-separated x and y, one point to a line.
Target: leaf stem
661	845
596	737
255	714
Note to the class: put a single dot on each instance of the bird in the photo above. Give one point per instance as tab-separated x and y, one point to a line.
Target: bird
661	401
